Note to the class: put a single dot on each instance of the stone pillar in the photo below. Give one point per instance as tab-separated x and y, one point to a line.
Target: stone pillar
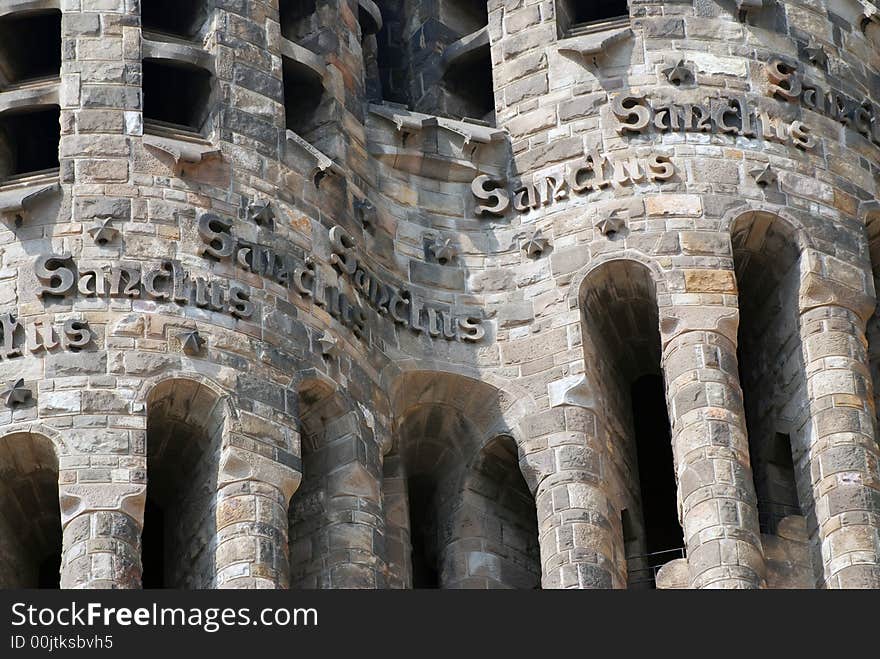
252	502
101	546
579	546
839	441
716	492
355	523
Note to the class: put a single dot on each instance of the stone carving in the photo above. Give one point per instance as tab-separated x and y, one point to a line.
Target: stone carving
594	172
444	250
192	342
16	394
817	55
102	232
19	202
329	345
308	280
260	212
365	213
180	152
536	245
610	227
787	83
725	115
764	176
680	74
37	336
166	282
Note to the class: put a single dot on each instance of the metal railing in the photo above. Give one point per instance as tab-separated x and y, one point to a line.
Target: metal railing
643	569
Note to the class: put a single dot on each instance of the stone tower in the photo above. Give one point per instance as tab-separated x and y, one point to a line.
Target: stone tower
439	293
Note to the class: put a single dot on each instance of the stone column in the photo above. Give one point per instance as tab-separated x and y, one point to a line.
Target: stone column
716	492
579	547
101	546
355	524
839	441
252	502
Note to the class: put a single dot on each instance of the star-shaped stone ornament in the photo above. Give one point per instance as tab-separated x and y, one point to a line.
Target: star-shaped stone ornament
679	74
16	393
261	213
444	250
329	345
611	226
535	246
764	176
192	342
365	212
817	55
102	233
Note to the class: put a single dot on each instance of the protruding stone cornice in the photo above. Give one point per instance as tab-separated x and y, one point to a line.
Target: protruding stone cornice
319	165
592	46
181	151
465	46
22	199
155	48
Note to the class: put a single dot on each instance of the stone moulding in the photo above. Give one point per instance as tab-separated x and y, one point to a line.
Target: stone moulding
181	151
465	46
369	16
22	199
38	94
295	52
447	149
592	46
13	6
155	48
318	164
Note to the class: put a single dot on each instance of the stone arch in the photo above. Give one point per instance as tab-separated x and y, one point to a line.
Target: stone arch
624	400
493	539
30	514
580	279
444	422
187	421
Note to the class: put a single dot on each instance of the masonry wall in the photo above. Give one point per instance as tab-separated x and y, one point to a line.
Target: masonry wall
364	252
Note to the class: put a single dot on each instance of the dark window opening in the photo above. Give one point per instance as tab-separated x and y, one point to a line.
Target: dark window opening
176	94
469	83
777	491
425	572
49	573
298	18
303	93
29	141
30	47
181	18
663	534
392	59
153	545
573	15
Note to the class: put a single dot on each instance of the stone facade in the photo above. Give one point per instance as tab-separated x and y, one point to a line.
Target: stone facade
439	293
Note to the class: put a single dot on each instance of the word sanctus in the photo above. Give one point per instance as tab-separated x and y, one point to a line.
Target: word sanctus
164	282
788	84
37	336
725	116
594	172
398	304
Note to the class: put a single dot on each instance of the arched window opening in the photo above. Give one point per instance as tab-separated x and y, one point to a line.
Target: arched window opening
30	47
29	142
185	423
575	17
494	535
177	96
622	350
178	18
766	257
30	515
391	53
